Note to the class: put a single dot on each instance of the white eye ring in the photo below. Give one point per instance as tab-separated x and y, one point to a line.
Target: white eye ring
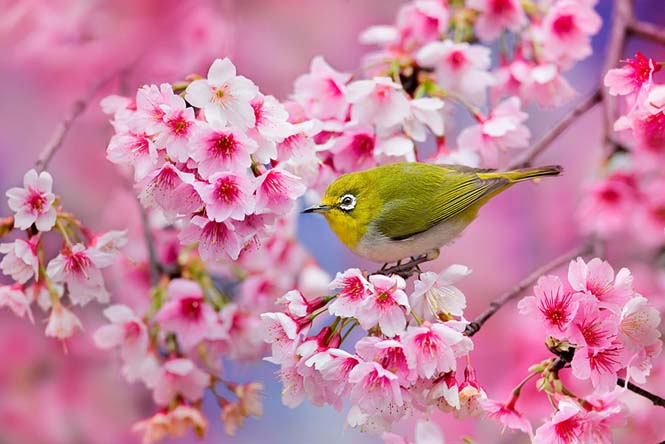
347	202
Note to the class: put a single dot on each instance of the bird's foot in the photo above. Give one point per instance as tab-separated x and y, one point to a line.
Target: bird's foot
411	267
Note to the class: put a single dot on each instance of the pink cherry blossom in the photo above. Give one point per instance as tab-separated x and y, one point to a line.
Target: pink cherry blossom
650	217
601	365
272	127
421	22
152	103
188	315
133	148
496	16
638	326
503	129
12	296
554	307
282	332
298	305
434	294
640	365
62	323
542	83
126	330
426	115
566	31
426	433
353	288
228	195
387	306
389	353
180	377
373	386
334	365
636	73
33	204
79	268
606	412
177	130
592	327
322	91
597	278
605	205
379	102
444	394
20	261
460	68
277	190
174	423
224	96
565	427
506	414
433	348
171	190
216	148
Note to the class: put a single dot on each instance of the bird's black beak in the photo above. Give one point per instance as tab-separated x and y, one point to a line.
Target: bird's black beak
317	209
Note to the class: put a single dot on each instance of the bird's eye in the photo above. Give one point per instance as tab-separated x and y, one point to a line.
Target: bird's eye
347	202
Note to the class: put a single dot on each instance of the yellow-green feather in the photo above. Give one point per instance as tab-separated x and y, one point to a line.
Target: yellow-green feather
405	199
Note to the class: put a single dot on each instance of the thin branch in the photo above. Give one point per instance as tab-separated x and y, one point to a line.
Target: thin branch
655	399
153	261
562	361
508	296
557	130
647	31
77	108
621	18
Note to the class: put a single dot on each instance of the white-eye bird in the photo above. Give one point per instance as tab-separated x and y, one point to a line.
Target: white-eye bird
401	210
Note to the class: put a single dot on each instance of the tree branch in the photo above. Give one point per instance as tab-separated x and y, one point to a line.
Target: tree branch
480	320
153	261
621	18
557	130
76	109
655	399
647	31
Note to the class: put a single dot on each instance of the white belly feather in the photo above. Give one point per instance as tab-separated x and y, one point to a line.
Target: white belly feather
379	248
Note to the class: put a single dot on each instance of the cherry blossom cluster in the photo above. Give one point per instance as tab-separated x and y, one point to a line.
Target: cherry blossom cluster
596	323
205	158
75	271
429	56
406	361
631	196
201	158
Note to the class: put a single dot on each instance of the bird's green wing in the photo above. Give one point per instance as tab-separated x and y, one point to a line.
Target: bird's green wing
426	195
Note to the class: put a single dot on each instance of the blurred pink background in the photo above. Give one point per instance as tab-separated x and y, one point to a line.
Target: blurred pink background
52	51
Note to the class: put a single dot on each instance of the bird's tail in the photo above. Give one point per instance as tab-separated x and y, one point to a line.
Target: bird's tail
532	173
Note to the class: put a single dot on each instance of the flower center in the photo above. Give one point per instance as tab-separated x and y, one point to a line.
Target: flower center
224	145
501	6
362	146
179	125
227	190
563	24
190	307
36	200
457	59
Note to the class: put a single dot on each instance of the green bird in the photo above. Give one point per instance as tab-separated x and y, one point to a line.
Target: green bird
401	210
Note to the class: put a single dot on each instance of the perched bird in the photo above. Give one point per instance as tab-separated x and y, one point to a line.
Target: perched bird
393	212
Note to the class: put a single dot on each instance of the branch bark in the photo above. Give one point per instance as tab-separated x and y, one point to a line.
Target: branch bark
557	130
76	109
475	326
647	31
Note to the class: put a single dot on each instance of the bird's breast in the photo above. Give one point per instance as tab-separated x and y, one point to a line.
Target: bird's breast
379	248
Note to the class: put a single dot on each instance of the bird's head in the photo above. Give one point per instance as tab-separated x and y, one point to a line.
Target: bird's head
349	205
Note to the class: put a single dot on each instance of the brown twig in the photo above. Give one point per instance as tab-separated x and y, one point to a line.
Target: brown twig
621	18
562	361
511	294
647	31
153	261
77	108
557	130
655	399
